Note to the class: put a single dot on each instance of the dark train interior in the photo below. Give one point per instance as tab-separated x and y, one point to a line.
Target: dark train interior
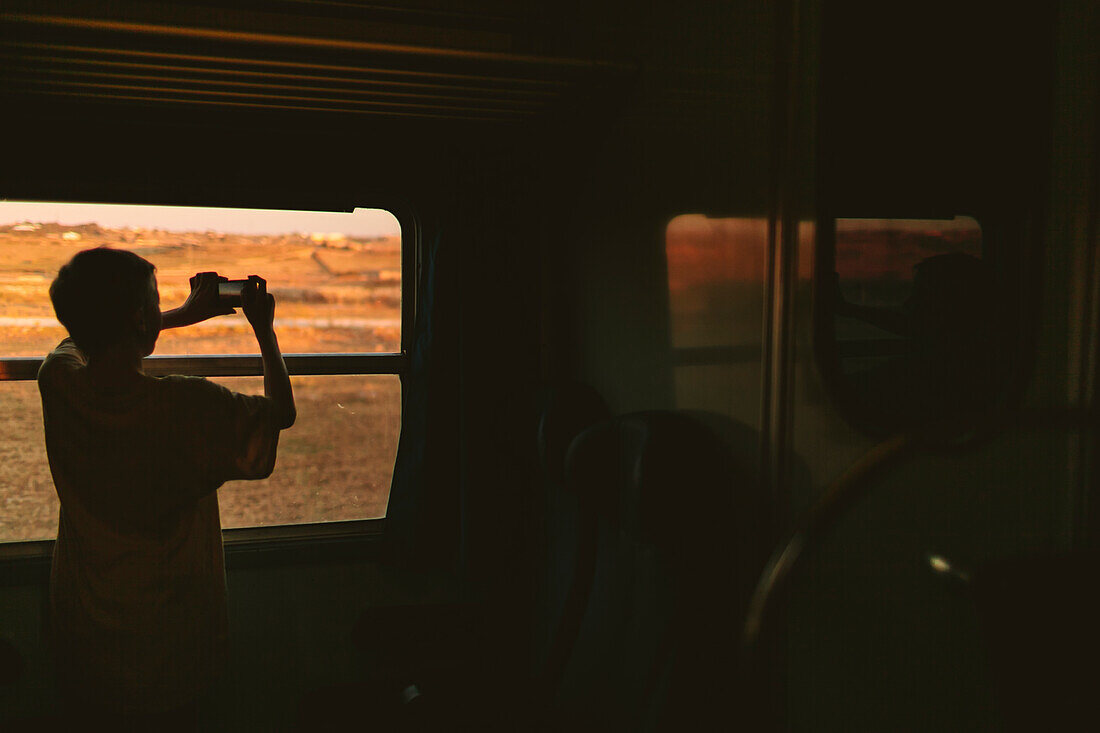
690	286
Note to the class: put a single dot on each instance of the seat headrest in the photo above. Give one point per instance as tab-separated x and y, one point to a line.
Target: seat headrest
567	410
666	478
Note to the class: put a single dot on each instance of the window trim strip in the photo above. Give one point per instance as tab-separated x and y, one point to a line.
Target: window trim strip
234	365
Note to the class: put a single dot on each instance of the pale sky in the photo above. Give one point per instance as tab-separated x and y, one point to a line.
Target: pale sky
360	223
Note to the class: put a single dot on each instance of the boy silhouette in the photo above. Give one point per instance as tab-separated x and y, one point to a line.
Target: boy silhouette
138	618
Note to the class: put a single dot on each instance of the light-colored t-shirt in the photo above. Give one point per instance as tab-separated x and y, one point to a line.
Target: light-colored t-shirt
137	587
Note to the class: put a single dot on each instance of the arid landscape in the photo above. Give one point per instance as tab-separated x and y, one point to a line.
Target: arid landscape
333	294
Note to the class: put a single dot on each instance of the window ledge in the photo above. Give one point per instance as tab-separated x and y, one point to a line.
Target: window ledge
28	563
25	368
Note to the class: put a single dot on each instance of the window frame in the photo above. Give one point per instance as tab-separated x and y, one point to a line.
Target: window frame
24	368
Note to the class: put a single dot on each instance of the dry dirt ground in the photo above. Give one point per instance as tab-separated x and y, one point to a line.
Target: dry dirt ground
337	460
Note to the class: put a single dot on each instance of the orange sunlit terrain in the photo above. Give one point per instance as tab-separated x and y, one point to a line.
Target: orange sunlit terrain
334	293
331	295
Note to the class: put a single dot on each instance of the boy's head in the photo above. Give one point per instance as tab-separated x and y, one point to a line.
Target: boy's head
108	297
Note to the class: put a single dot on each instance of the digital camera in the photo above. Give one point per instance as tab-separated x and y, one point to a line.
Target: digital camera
229	291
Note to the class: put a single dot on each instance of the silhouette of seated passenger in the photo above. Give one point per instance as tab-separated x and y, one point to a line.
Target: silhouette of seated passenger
951	337
138	618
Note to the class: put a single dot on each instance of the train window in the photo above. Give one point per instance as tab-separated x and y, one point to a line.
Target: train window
716	272
907	323
337	278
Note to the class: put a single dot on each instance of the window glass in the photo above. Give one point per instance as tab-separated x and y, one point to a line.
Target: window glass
28	502
337	280
334	464
336	276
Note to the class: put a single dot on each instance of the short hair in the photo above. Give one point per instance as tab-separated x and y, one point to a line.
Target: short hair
96	294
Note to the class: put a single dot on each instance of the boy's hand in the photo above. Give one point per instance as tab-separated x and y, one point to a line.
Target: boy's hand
258	305
202	303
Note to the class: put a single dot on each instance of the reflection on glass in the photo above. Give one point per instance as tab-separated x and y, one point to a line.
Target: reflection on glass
716	296
876	260
336	463
915	321
336	276
715	275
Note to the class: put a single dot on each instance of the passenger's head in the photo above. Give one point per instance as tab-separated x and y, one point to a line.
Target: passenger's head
953	277
951	300
108	298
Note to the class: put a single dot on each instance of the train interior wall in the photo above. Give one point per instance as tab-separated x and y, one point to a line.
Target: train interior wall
872	638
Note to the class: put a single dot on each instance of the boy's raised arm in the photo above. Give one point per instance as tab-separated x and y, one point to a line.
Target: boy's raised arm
259	308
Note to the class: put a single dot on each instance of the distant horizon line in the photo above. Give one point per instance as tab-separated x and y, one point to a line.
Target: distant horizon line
133	228
360	222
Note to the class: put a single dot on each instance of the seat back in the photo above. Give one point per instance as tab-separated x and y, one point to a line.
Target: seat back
681	540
